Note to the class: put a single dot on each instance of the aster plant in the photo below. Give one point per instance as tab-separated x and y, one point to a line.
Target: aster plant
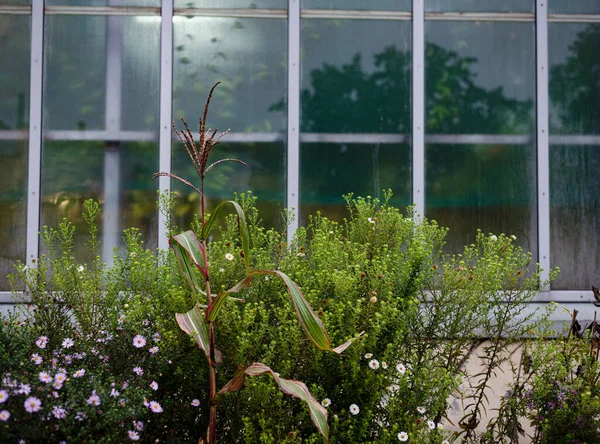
191	251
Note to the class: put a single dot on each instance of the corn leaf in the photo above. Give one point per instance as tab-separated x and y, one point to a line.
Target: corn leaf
243	227
213	311
308	318
194	324
189	252
298	389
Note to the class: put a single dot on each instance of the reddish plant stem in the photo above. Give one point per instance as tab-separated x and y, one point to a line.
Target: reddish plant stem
212	372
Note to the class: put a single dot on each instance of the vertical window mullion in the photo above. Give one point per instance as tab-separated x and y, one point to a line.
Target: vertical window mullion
543	158
418	111
35	130
166	99
293	127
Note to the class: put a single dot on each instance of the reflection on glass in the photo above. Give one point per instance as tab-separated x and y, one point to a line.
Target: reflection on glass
479	78
476	83
329	171
15	2
356	76
574	57
264	175
480	6
575	215
13	206
98	77
574	167
244	4
14	76
76	68
74	171
372	5
574	7
490	187
248	57
103	2
14	115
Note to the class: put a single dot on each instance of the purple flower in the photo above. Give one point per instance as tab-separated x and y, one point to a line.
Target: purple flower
67	343
41	341
3	396
94	399
153	350
32	404
195	402
139	341
79	373
155	407
138	371
36	359
24	389
133	435
154	385
4	415
59	412
138	425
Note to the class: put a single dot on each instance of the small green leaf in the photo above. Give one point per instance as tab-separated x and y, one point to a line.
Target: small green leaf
188	251
242	226
298	389
193	324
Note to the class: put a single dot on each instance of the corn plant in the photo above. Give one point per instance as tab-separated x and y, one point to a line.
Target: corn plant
199	322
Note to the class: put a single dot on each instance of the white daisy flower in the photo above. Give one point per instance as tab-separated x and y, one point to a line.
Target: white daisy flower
368	355
326	402
400	368
374	364
229	256
384	365
354	409
80	268
430	424
445	441
494	238
403	436
440	426
421	410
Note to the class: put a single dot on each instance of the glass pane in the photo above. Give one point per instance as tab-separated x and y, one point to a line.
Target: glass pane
15	37
98	77
330	170
249	4
575	153
574	7
477	83
75	171
479	78
479	5
15	2
14	117
103	2
264	175
76	67
491	187
249	57
574	57
356	76
574	215
372	5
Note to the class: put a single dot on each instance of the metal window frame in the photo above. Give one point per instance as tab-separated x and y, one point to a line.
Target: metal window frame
293	123
34	161
294	14
165	118
418	107
542	128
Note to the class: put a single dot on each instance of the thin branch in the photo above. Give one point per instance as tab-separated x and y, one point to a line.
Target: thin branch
173	176
224	160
